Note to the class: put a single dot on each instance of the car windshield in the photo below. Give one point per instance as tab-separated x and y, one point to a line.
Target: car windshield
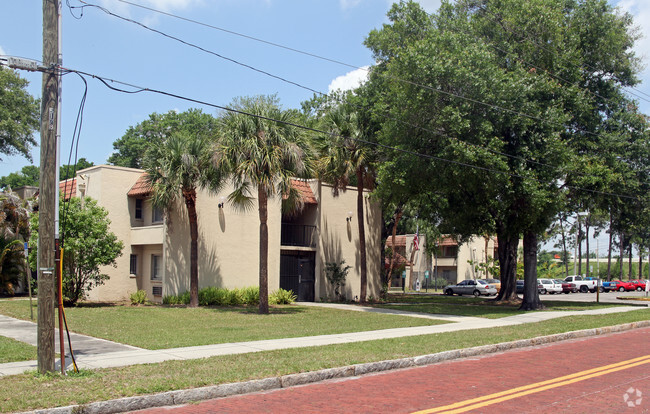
482	282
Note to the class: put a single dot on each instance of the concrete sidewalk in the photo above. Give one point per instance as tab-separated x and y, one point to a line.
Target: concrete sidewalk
99	353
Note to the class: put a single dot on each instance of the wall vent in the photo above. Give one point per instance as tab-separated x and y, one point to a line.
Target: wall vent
156	290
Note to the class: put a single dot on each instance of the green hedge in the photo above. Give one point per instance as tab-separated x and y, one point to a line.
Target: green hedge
214	296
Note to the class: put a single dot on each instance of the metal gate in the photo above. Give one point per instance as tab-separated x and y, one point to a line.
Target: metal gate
298	274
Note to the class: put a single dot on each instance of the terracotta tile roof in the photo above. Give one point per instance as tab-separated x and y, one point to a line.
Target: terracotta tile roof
400	241
399	261
307	195
448	241
141	187
68	188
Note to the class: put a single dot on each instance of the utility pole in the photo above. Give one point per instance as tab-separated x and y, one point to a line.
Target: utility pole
48	192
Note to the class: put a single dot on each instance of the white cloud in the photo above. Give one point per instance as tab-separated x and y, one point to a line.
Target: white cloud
350	80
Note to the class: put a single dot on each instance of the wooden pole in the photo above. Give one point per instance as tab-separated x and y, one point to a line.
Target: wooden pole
48	187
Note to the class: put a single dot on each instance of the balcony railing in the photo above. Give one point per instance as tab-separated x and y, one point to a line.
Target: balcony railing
298	235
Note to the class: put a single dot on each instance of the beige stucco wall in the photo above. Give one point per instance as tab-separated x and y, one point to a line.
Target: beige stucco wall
228	245
228	239
109	185
339	240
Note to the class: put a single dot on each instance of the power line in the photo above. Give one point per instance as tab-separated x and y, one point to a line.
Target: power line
232	32
416	84
496	107
139	89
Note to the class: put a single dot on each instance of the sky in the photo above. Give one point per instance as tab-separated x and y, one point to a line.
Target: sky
104	45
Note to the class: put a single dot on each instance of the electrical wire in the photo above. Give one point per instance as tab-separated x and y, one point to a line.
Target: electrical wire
74	145
139	89
76	135
439	133
438	90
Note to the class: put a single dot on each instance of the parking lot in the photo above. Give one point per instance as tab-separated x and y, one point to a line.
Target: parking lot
611	297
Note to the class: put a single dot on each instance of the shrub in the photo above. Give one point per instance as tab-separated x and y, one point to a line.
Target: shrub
139	297
182	299
235	297
251	295
282	297
336	274
213	296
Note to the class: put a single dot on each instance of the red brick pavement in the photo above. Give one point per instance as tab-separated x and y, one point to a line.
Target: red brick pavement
414	389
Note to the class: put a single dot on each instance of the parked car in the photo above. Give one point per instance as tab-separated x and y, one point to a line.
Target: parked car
520	287
618	285
549	286
566	286
583	284
471	287
494	282
639	284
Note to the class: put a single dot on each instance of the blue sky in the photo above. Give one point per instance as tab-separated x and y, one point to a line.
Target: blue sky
104	45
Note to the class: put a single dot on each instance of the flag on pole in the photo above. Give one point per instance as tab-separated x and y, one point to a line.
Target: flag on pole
416	240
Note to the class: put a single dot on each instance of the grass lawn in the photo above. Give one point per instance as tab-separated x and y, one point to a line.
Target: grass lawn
31	391
471	306
12	351
160	327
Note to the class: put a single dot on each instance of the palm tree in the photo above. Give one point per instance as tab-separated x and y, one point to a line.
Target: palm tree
262	149
177	168
14	231
344	155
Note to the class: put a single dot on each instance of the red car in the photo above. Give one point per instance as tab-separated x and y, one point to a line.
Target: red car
638	284
621	286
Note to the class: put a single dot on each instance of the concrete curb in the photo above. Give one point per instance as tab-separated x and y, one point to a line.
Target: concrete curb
179	397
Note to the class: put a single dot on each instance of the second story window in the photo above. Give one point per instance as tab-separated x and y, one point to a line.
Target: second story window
138	209
449	251
157	215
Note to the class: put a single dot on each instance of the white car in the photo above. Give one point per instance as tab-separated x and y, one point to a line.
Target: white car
471	287
549	286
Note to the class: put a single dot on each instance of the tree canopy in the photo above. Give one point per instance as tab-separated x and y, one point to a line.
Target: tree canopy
503	108
19	115
130	149
88	244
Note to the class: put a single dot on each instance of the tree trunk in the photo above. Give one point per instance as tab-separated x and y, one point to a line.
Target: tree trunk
622	255
507	252
389	278
411	266
565	256
362	237
264	251
579	248
487	260
531	295
190	203
609	250
629	262
640	272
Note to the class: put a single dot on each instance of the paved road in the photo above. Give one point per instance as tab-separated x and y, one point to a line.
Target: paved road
581	376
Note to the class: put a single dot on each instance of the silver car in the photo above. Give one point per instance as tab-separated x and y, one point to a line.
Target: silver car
471	287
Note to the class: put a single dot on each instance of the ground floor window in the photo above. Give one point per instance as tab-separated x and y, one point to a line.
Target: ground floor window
133	266
156	267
